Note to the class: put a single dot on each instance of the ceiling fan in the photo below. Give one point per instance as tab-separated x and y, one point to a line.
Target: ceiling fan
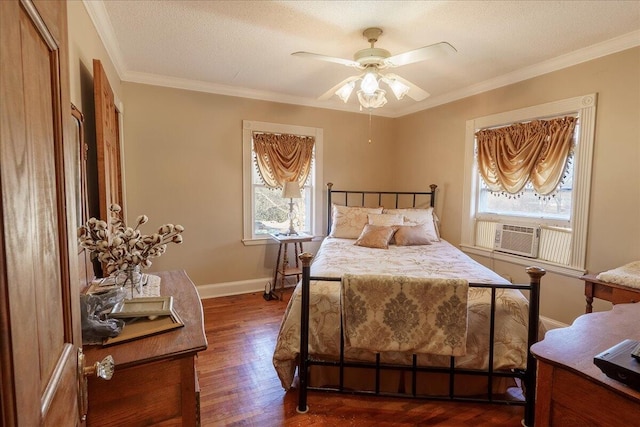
371	61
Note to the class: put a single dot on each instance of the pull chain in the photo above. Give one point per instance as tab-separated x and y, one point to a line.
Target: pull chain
369	126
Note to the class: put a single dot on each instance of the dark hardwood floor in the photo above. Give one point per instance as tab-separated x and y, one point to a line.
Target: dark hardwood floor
239	386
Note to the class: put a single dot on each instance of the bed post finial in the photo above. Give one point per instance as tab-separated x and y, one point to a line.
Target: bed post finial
535	273
329	185
432	202
306	258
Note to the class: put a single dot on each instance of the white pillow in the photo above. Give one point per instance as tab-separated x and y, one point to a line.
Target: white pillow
386	219
348	222
415	216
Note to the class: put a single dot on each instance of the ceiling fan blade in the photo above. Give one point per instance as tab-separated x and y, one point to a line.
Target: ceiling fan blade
347	62
420	54
415	92
328	94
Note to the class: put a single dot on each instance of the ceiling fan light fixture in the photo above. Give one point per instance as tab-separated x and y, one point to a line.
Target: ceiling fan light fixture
372	61
345	91
398	88
369	83
374	100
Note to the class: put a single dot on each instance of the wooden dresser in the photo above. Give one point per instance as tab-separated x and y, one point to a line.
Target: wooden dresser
571	390
155	378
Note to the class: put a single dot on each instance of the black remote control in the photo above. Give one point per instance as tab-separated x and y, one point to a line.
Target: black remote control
635	353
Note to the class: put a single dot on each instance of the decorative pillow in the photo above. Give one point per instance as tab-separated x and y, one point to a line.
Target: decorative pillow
412	235
348	221
385	219
414	216
375	236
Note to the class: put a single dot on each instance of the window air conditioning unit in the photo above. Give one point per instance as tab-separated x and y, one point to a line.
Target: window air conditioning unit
517	239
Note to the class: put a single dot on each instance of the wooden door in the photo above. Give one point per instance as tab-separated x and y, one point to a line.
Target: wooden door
107	142
39	302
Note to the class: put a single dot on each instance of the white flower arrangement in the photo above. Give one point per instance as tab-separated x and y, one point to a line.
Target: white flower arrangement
119	247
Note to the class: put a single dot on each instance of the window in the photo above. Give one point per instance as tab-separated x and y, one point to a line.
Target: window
554	209
271	210
264	209
562	216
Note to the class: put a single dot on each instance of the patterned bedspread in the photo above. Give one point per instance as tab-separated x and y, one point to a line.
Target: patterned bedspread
400	313
337	257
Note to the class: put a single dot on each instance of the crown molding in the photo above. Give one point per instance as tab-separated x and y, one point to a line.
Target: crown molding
608	47
100	18
101	21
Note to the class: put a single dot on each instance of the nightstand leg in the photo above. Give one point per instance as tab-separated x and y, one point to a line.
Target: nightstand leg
588	293
275	275
285	264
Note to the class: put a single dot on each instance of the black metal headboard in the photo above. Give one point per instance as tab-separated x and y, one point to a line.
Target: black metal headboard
388	199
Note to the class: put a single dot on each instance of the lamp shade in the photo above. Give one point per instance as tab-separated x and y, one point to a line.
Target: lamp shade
291	190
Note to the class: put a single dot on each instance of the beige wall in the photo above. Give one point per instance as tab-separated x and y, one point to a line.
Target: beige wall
183	161
432	144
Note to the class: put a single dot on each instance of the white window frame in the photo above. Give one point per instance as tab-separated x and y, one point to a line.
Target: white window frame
248	127
585	108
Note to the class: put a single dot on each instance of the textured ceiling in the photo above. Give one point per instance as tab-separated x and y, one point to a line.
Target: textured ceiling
243	48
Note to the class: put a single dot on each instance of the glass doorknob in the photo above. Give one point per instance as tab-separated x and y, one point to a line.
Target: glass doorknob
103	369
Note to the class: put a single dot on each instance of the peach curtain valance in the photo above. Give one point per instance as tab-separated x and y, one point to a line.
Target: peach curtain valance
537	152
283	157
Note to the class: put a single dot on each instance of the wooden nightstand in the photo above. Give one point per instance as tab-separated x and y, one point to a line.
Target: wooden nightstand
616	294
283	270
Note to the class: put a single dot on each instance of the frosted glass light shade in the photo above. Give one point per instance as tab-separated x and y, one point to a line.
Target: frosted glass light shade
345	91
398	88
375	100
369	84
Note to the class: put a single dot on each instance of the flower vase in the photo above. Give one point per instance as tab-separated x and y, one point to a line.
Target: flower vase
130	279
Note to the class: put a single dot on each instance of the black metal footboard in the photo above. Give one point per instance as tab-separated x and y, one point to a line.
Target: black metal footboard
527	376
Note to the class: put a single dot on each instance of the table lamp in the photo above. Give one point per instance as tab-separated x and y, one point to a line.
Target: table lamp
291	190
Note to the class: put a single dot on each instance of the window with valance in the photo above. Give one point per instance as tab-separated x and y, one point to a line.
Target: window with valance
531	168
274	154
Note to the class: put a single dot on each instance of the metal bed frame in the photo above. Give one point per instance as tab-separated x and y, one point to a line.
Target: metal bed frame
527	376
